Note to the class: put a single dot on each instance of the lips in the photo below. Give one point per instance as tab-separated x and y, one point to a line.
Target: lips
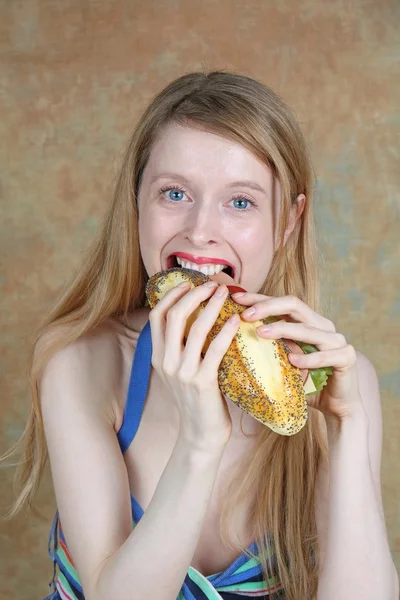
199	260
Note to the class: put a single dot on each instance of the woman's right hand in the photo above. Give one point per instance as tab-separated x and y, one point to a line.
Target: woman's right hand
192	381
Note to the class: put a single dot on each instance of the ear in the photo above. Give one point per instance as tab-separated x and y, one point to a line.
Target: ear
295	213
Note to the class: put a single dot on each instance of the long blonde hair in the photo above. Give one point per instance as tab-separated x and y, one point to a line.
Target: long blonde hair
281	472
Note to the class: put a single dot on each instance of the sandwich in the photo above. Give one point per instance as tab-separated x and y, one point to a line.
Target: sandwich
255	372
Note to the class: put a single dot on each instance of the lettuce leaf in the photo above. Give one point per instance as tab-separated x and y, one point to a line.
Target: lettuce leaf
319	376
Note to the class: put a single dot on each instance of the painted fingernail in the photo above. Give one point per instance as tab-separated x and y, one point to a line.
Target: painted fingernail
248	312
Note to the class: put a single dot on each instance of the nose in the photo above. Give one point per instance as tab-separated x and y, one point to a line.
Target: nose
202	225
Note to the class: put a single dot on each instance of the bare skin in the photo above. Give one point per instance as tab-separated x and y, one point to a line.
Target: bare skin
84	388
177	483
208	223
145	463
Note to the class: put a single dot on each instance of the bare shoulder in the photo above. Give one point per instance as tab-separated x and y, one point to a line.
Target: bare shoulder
368	381
80	391
95	367
371	400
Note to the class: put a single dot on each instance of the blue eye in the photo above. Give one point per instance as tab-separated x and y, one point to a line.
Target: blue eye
175	191
240	200
178	190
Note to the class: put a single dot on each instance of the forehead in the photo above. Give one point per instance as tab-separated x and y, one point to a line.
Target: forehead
204	157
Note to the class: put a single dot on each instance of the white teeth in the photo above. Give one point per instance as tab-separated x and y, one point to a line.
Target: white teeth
205	269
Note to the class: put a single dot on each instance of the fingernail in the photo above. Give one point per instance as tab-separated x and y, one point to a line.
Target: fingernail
234	319
183	284
238	294
248	312
263	328
211	284
220	291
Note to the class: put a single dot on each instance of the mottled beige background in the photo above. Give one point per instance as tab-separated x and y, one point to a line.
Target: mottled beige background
75	76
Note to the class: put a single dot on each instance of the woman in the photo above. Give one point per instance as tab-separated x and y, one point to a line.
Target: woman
165	488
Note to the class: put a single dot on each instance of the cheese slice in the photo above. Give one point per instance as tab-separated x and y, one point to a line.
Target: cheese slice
309	386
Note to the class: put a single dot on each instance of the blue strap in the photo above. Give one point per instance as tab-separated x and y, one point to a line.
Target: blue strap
137	390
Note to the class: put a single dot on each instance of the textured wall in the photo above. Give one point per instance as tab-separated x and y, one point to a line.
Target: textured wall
76	74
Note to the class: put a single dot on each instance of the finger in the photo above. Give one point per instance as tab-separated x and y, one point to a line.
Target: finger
199	331
292	306
176	320
323	340
157	320
248	298
208	370
338	358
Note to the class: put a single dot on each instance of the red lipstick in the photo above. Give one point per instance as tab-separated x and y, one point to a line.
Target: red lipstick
202	260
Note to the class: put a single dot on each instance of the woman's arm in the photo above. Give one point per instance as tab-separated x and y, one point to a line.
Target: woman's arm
159	551
357	560
355	556
92	487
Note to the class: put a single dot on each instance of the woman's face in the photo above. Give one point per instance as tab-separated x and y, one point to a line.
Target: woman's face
207	212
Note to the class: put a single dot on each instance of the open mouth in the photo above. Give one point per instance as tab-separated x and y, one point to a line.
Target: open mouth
172	262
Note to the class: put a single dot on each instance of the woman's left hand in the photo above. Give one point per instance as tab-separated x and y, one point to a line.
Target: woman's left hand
340	397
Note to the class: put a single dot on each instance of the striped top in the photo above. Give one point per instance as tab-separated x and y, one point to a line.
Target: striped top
242	580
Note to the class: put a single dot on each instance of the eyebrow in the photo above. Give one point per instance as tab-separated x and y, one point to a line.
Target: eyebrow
240	183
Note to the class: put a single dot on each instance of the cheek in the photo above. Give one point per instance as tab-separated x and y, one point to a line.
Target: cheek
155	232
149	234
150	222
256	249
256	241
